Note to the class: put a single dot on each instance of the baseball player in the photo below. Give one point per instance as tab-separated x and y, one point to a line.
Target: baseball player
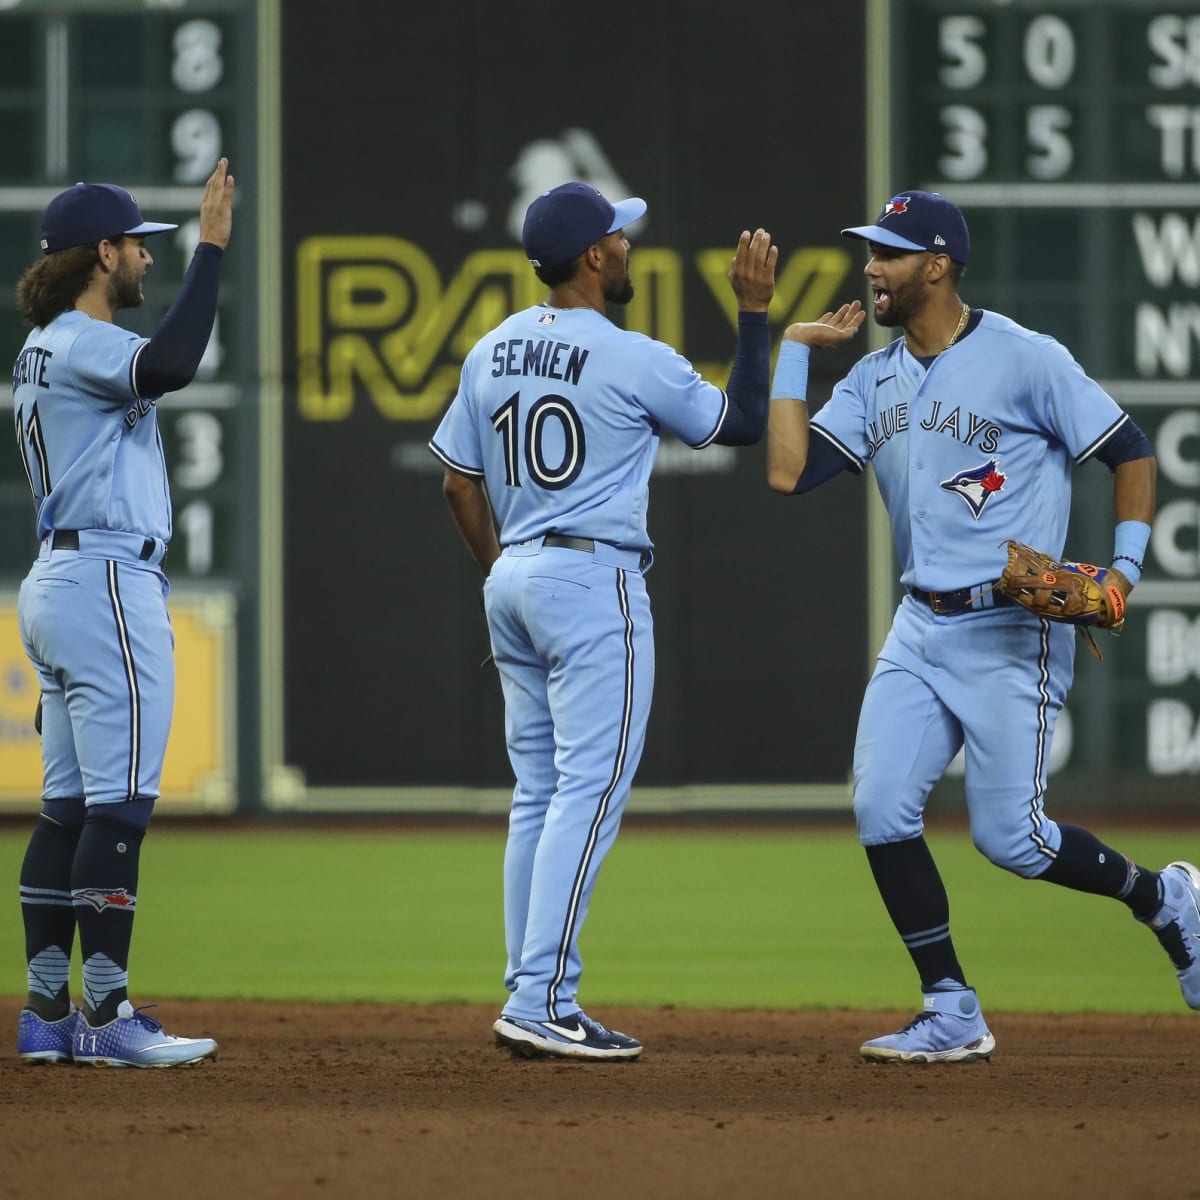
972	425
92	610
554	429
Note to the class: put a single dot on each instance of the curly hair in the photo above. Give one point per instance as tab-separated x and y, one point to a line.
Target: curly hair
53	284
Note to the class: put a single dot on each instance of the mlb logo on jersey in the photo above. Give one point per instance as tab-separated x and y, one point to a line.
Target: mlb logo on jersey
547	318
977	485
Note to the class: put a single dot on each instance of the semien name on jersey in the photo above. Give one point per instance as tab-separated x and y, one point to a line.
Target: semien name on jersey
550	360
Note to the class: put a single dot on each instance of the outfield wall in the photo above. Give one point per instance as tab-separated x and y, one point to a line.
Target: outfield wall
329	631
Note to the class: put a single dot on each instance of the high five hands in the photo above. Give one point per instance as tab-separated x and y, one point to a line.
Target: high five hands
830	328
216	206
752	272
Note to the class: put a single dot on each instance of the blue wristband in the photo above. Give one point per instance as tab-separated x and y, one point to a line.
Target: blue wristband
1129	548
790	381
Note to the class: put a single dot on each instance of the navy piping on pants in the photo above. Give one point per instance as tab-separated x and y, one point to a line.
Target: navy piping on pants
564	945
135	699
1040	759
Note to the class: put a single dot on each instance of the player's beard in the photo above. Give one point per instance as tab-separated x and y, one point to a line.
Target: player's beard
904	302
125	287
619	293
618	288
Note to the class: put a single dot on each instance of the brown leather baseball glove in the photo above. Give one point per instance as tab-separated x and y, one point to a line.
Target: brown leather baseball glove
1074	592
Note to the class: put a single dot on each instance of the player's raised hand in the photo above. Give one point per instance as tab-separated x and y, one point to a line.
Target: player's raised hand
216	206
830	328
752	272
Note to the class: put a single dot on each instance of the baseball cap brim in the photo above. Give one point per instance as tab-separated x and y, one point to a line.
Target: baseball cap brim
626	212
150	227
885	237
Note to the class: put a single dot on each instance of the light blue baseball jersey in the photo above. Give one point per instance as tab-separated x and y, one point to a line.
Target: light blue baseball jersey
973	451
559	410
91	445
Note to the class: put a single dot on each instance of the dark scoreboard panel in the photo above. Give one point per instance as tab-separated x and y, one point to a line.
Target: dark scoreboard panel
1069	133
148	95
409	251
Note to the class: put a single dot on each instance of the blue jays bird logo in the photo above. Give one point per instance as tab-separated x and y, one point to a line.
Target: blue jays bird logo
895	206
978	485
102	898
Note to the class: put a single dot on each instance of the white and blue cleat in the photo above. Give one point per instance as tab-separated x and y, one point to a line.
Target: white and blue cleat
133	1039
950	1029
41	1041
575	1036
1177	925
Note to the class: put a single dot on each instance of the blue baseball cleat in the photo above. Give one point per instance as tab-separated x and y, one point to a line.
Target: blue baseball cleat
1177	925
41	1041
576	1036
133	1039
951	1029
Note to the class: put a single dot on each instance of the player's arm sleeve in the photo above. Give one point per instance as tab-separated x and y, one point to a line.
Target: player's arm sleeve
101	360
837	439
456	440
1126	444
168	361
826	458
744	420
1073	406
699	413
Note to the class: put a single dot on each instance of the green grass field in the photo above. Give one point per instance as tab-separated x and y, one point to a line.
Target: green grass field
783	918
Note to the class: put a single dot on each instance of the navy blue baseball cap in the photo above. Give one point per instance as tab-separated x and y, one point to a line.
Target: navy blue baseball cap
90	212
566	220
919	221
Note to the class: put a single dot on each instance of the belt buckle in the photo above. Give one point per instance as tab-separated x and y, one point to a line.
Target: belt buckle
935	602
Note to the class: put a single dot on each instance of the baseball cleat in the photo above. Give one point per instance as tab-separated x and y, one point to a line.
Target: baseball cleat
133	1039
576	1036
41	1041
1177	925
951	1029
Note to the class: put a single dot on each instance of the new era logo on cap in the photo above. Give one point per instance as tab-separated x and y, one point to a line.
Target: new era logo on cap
919	221
90	212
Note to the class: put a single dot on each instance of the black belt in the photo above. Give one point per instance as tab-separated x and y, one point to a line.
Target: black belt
68	539
567	541
564	541
968	599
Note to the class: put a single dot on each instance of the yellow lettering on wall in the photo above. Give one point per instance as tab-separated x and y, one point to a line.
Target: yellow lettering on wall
805	283
374	320
657	305
371	314
808	283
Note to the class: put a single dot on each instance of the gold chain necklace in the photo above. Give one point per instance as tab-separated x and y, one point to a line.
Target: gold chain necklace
964	317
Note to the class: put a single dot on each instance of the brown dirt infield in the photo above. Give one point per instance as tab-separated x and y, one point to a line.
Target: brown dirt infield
415	1101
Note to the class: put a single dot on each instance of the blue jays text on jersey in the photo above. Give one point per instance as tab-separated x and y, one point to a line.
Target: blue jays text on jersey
958	422
973	449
